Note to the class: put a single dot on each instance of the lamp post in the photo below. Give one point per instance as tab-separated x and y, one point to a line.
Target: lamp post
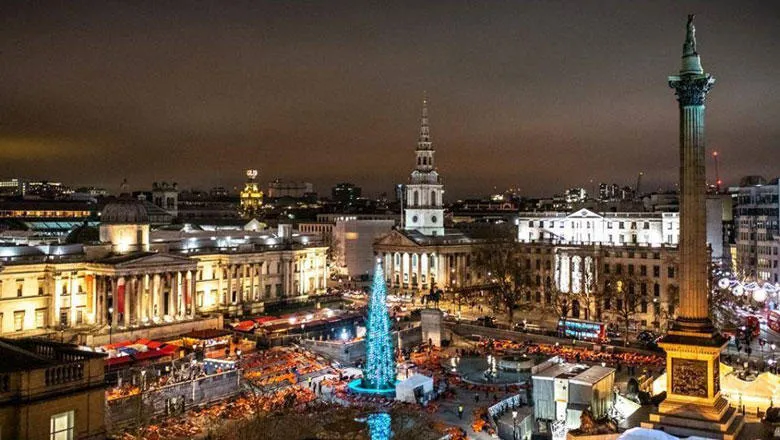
514	424
303	330
110	318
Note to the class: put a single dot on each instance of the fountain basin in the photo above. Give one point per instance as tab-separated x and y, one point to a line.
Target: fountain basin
356	386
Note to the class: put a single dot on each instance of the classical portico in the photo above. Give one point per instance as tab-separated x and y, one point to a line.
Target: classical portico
413	262
142	290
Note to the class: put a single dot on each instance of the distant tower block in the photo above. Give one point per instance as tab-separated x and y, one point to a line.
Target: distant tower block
430	323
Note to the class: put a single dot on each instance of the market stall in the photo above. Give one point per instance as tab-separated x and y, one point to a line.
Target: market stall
414	389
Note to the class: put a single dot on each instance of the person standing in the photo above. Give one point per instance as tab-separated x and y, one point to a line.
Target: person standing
460	411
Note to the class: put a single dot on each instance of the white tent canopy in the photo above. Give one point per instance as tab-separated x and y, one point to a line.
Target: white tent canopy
405	390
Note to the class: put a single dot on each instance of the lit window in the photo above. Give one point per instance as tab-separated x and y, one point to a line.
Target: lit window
61	427
18	321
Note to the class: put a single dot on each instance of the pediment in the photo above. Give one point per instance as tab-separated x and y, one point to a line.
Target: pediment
396	238
159	259
583	213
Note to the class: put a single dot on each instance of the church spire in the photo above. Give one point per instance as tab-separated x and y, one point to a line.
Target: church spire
424	143
691	63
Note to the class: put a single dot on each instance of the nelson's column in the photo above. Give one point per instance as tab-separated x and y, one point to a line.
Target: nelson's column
694	405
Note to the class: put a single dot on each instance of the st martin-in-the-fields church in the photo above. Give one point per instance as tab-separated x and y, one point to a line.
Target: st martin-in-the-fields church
422	253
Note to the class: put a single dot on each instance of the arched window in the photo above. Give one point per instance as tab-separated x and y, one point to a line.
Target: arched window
415	198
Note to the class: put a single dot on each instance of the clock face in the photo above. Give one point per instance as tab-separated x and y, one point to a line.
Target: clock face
414	219
433	219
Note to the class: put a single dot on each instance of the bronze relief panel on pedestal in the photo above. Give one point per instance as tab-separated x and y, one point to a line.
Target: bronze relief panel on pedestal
689	377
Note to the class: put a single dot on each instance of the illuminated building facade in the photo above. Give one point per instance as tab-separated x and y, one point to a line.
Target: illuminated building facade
251	195
757	222
586	272
610	229
50	390
132	277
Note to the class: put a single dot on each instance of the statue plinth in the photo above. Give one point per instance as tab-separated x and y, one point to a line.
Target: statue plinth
693	404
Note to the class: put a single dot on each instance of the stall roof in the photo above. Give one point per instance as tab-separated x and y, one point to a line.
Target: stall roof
207	333
244	326
415	381
592	375
560	371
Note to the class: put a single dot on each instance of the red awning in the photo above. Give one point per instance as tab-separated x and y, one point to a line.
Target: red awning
168	349
116	345
151	354
245	326
118	361
264	319
143	341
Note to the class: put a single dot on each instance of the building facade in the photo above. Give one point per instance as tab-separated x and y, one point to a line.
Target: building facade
611	229
135	278
50	390
757	224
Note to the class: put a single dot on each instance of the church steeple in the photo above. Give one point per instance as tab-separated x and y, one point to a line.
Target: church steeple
424	150
424	207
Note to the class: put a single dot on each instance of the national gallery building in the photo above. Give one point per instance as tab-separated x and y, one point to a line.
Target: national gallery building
121	276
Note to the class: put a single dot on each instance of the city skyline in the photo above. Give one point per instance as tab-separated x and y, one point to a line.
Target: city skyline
188	94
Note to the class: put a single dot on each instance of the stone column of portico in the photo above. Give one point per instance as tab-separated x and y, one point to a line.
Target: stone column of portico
418	269
114	301
229	292
179	294
126	307
155	297
242	284
72	289
130	300
251	272
189	311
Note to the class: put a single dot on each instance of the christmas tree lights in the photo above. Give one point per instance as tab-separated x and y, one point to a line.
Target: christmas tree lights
379	426
379	373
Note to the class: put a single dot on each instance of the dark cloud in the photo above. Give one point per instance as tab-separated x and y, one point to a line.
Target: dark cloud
540	95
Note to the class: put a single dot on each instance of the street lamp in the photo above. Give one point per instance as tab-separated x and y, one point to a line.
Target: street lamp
303	327
514	424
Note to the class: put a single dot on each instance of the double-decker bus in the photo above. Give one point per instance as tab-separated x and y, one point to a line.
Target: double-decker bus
773	320
583	330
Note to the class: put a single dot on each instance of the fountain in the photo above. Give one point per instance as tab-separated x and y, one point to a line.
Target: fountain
379	375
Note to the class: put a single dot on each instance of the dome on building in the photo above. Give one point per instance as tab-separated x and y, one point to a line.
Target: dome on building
83	234
126	211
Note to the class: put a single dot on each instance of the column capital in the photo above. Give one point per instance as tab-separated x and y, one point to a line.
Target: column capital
691	89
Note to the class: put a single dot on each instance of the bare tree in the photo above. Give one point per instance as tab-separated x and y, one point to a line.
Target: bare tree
621	298
499	259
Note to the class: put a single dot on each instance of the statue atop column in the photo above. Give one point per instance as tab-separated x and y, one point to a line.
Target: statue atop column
689	47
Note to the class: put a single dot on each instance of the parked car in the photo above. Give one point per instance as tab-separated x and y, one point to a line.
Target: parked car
487	321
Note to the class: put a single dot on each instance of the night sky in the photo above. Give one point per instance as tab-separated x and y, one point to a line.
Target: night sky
538	95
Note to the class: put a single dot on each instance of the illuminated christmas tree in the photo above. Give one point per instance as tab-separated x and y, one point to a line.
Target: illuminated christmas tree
379	426
379	373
